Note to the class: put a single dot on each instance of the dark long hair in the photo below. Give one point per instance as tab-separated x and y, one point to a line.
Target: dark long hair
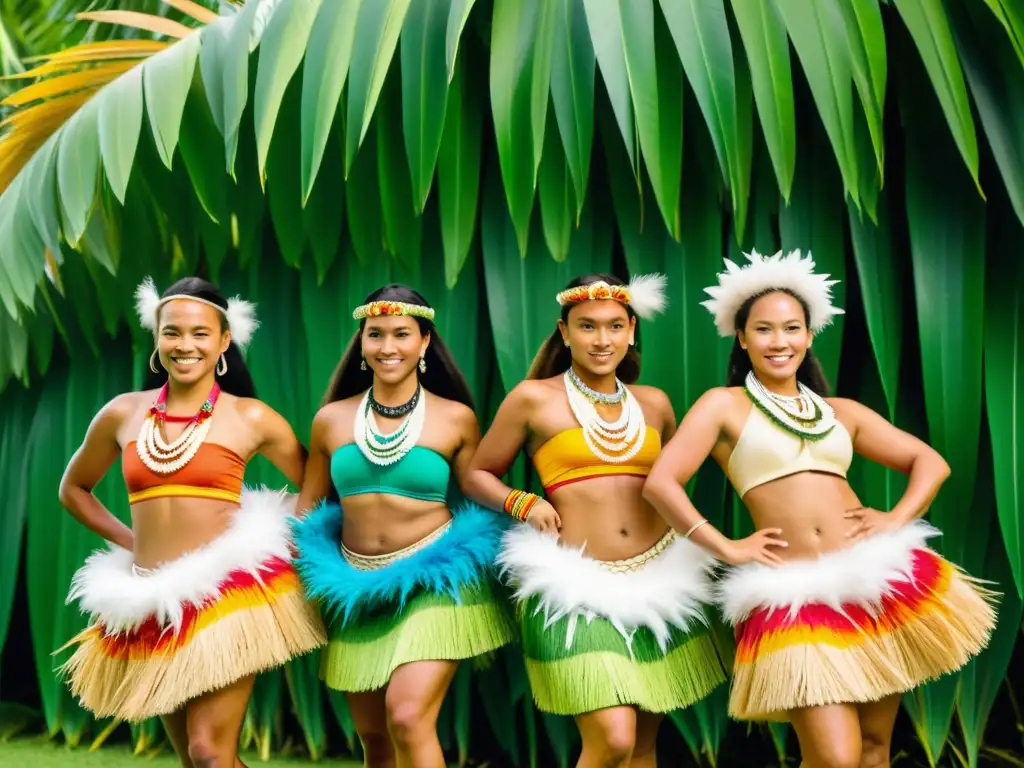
237	381
809	373
554	358
442	378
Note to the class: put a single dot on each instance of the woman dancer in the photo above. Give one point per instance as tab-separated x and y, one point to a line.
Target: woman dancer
610	598
199	595
838	609
410	590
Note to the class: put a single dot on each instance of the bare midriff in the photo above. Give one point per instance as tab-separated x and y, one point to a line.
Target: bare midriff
609	515
166	528
809	508
378	524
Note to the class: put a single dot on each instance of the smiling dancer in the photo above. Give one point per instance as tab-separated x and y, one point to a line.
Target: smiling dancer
610	599
410	591
838	609
199	595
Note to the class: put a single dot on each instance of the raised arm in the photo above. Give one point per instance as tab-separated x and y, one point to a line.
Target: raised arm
317	482
877	440
469	432
87	467
277	441
496	452
679	461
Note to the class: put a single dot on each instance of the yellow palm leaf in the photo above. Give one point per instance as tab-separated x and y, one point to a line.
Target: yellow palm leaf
57	86
196	11
138	20
112	48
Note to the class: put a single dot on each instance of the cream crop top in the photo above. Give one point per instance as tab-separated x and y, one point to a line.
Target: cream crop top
766	452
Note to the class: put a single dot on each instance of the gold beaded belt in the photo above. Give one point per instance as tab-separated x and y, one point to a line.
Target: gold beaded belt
636	562
376	562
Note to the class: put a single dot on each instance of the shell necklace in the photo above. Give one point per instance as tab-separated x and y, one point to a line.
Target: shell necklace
613	442
167	457
805	415
382	449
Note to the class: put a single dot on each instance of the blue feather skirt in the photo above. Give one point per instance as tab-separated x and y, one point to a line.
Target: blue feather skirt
441	602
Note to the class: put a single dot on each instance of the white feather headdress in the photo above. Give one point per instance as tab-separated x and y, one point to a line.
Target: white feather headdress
240	314
792	272
645	294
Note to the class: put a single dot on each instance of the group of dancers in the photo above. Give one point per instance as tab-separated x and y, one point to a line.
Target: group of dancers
405	551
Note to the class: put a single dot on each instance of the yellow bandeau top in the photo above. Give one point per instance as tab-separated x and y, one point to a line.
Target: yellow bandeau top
765	452
565	458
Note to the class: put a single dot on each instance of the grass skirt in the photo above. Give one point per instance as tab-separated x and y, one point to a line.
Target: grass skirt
440	601
856	625
160	637
599	635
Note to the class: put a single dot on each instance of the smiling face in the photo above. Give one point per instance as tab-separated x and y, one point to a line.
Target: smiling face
190	340
393	346
599	334
776	337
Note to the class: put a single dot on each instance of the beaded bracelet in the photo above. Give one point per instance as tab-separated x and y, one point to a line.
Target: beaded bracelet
519	503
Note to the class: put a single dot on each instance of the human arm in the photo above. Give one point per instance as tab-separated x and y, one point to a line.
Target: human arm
682	456
877	440
469	439
498	449
87	467
317	481
276	440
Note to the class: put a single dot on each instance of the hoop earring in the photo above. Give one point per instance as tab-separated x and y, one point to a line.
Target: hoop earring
423	365
222	365
362	364
152	363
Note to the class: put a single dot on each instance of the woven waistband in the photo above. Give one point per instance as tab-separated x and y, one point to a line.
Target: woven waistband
186	491
376	562
637	562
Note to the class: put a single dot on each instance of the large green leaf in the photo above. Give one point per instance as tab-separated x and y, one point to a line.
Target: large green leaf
281	49
363	211
1011	16
18	408
120	121
233	59
328	55
284	191
324	212
424	90
605	23
198	145
557	204
376	37
78	160
402	230
166	79
458	14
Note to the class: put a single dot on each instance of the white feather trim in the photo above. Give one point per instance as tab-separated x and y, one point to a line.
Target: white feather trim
668	590
647	295
858	575
107	587
242	320
792	272
147	304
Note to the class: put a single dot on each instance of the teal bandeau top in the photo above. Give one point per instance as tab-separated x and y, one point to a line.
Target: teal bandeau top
421	474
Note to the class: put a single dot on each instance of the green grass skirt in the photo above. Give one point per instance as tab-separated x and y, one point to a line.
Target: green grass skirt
600	670
363	654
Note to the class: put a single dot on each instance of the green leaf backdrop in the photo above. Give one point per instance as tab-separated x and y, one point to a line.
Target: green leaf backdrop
303	152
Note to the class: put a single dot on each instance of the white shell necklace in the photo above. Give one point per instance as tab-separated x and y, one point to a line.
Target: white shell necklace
805	415
166	458
621	439
381	449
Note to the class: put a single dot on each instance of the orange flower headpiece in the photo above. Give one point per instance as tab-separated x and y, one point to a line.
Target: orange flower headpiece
393	309
645	294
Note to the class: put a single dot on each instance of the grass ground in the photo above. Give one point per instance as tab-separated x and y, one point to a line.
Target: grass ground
40	753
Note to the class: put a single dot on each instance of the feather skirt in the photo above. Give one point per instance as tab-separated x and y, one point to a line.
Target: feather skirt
599	635
856	625
159	638
440	602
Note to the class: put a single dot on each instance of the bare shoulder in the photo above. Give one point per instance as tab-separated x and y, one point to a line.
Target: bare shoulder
850	410
721	398
123	408
338	410
531	392
255	411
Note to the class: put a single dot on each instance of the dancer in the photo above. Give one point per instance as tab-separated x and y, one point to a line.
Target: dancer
410	590
610	598
198	595
838	609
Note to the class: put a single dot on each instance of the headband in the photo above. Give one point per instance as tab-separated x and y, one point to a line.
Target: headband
393	309
240	314
763	274
645	294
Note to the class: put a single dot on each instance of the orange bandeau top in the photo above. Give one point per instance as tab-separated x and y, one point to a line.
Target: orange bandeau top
565	458
215	472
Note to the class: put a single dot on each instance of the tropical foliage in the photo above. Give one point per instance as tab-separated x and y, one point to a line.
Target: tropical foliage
303	152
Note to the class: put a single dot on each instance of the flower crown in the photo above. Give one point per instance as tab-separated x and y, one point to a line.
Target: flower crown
791	272
393	309
240	314
645	294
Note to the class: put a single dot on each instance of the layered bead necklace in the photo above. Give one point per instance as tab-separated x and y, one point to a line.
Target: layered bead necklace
382	449
805	415
167	457
613	442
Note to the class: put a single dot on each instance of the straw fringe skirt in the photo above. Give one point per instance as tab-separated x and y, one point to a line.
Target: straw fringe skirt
856	625
602	634
436	600
160	637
